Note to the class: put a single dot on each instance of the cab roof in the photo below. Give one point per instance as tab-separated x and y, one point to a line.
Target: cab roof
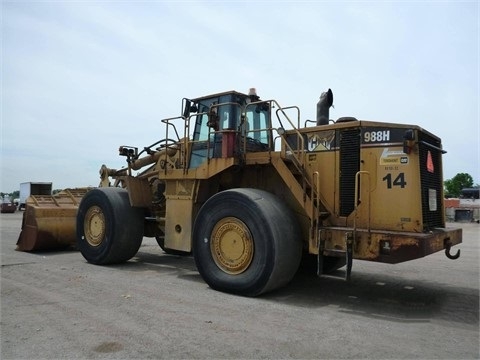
231	92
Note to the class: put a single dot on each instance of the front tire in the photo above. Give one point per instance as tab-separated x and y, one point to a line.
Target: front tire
109	229
247	242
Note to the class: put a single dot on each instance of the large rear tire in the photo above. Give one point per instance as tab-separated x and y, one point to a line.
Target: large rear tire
247	242
109	230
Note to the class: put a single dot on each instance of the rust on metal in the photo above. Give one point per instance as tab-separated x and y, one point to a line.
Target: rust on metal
413	246
392	246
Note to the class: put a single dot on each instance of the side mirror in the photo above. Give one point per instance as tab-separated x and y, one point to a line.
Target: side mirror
186	110
189	108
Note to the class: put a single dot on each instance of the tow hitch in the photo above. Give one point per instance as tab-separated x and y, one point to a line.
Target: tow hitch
448	246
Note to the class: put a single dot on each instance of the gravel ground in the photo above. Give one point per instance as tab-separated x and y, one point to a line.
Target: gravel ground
54	305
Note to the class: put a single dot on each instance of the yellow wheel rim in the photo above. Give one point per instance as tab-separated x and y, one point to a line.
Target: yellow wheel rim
94	226
232	245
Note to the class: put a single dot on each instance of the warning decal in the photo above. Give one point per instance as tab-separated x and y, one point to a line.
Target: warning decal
430	166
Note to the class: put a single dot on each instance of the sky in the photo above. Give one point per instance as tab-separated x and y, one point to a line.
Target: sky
80	78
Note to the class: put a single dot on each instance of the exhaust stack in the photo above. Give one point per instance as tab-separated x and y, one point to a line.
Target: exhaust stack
323	107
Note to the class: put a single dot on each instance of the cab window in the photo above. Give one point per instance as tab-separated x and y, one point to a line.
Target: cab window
258	124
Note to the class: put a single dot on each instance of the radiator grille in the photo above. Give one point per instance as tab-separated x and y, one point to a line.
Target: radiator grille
349	166
431	181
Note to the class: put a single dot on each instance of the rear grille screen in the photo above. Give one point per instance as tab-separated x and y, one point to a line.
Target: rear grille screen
431	181
349	166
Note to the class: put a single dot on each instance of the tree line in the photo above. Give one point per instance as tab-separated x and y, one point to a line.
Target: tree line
461	184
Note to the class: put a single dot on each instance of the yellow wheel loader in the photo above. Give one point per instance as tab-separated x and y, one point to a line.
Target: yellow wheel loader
250	189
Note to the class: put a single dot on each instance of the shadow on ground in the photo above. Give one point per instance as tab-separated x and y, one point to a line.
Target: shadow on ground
374	295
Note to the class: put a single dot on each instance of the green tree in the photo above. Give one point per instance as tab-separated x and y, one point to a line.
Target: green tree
12	195
454	186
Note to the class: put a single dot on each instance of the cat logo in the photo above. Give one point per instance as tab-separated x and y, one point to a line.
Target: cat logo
313	143
321	141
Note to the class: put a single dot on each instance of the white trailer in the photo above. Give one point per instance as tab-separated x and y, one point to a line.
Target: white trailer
33	188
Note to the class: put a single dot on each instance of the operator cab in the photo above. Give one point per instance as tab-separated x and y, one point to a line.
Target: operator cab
228	124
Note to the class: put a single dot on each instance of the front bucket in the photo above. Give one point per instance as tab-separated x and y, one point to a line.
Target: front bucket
49	221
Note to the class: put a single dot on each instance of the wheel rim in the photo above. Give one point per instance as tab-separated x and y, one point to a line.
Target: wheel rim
232	245
94	226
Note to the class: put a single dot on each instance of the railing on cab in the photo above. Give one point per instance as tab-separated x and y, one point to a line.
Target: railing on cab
295	154
182	141
298	157
298	154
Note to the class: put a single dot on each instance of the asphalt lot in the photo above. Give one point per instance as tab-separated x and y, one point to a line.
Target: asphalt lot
54	305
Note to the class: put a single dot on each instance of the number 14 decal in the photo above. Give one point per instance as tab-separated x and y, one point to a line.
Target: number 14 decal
398	181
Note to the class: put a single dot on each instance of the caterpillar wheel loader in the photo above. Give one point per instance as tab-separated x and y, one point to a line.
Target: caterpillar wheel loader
250	191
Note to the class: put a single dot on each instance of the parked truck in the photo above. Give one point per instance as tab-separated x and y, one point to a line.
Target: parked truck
249	188
7	206
33	188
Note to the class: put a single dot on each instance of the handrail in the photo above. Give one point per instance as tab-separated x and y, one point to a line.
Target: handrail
299	157
290	107
298	152
300	139
357	198
315	200
168	123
